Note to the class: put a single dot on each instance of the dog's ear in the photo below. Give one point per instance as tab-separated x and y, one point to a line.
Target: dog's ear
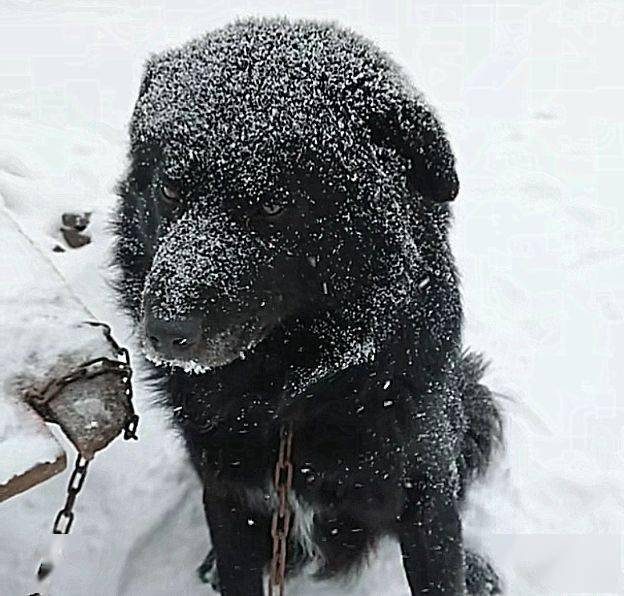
407	125
137	121
148	75
141	154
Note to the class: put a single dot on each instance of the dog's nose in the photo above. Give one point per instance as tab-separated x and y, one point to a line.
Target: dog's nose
173	338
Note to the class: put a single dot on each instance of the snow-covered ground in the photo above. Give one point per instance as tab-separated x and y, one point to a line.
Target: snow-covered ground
532	93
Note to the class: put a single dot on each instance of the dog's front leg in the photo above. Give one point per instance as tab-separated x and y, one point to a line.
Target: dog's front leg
431	544
241	540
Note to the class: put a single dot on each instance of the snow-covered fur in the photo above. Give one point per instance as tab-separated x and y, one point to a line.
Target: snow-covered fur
283	241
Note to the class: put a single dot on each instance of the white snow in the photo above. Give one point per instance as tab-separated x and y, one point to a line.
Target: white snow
43	323
21	437
531	96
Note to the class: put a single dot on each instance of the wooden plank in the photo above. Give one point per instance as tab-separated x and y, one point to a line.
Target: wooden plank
29	453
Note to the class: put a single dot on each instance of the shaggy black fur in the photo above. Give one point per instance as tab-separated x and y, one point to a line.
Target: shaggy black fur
282	238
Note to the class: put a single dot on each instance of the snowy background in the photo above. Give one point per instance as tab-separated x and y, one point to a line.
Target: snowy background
532	94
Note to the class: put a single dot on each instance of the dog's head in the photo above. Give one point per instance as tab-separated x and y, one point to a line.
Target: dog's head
278	170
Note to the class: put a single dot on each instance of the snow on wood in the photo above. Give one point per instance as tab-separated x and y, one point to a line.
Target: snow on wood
29	453
46	336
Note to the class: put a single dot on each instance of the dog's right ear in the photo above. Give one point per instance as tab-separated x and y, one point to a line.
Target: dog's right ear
407	124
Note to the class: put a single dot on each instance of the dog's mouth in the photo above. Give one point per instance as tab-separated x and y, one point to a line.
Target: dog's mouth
214	351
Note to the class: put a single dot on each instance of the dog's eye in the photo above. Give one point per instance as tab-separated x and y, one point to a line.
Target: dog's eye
272	209
170	193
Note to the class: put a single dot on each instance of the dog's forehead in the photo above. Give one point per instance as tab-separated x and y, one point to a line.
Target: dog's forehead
258	86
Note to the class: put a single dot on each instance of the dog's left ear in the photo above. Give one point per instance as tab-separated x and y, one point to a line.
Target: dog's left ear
408	125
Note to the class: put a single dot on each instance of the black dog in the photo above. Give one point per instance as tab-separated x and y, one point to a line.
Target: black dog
282	237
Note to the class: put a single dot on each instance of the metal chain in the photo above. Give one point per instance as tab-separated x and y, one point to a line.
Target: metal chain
65	517
92	368
132	419
87	370
280	525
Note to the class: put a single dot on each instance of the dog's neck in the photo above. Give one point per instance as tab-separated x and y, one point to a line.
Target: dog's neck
258	390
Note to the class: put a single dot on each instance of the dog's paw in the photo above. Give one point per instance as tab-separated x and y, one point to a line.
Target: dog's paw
481	579
208	572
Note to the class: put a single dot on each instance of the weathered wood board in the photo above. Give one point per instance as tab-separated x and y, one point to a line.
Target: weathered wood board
29	453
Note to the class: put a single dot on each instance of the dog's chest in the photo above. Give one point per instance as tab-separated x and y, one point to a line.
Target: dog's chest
302	520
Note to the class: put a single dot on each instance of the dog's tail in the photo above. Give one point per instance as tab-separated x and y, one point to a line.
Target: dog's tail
484	428
481	579
483	433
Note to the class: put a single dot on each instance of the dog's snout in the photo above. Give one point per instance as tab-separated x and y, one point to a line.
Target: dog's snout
173	338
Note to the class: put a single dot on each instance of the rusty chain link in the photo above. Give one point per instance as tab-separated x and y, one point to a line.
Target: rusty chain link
65	517
280	525
123	366
87	370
